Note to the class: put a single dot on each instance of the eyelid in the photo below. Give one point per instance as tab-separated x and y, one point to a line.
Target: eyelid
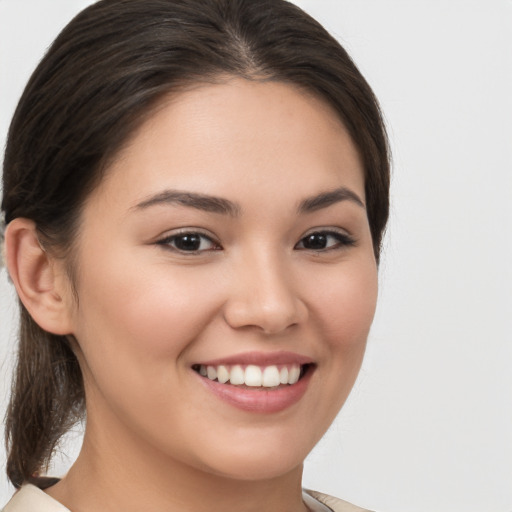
326	229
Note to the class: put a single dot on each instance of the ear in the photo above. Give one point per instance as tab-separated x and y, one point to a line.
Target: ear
40	280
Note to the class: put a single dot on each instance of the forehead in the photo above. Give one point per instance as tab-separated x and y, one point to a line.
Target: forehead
239	133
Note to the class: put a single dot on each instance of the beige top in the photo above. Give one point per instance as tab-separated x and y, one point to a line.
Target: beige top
32	499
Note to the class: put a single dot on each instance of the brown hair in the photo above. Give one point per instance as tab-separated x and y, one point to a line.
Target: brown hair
97	83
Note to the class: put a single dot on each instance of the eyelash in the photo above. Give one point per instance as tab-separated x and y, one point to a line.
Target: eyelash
342	241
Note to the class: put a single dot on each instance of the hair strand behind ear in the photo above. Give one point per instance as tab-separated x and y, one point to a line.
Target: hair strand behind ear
44	404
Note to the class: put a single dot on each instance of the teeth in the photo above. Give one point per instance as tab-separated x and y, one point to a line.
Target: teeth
293	375
222	374
211	372
252	376
270	377
237	375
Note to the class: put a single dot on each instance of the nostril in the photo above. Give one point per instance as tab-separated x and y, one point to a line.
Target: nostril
264	295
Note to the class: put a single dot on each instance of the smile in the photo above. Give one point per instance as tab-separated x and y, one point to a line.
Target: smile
256	382
253	376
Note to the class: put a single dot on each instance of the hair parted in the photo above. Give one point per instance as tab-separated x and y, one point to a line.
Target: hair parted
98	82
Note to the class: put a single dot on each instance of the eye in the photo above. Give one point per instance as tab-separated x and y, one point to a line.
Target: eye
189	241
325	240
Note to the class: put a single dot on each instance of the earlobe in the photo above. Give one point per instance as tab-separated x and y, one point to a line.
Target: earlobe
38	280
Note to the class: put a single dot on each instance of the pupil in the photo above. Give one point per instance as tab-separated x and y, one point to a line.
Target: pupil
315	241
188	242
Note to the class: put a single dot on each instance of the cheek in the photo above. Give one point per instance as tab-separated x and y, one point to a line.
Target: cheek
345	306
140	318
342	306
133	325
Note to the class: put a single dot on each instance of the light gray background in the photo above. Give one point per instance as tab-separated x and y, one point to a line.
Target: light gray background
429	424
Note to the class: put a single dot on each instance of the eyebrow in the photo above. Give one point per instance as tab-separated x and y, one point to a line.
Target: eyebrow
329	198
203	202
223	206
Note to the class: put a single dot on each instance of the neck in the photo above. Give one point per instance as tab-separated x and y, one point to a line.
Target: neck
117	472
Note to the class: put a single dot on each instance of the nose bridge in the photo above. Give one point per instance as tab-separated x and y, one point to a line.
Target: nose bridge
264	292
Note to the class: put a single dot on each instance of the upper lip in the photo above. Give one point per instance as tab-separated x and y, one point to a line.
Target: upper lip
260	359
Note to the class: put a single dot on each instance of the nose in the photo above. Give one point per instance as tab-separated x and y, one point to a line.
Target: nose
264	296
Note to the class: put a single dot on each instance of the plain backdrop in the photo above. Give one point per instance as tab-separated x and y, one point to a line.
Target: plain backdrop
428	426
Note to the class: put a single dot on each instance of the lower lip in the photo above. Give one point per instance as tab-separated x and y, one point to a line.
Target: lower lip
258	400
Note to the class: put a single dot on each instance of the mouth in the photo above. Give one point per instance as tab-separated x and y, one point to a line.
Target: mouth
257	382
255	377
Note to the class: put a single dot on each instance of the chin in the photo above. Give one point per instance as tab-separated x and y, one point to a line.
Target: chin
259	469
263	459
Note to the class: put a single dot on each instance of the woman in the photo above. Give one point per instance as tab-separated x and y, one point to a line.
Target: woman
195	194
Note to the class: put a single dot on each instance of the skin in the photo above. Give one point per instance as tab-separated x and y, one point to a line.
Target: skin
156	438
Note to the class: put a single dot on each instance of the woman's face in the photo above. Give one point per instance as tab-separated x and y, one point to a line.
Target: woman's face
229	237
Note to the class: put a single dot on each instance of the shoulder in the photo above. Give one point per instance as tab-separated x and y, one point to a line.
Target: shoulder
332	503
32	499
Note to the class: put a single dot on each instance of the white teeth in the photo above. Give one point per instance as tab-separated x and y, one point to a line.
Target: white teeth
270	377
252	376
237	375
293	375
222	374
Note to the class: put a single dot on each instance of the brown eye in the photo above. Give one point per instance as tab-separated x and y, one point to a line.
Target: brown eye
316	241
325	240
190	242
